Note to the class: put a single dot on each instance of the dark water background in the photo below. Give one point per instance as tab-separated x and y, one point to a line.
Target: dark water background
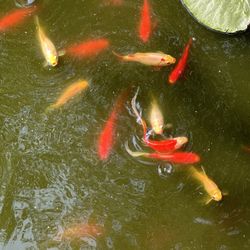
50	175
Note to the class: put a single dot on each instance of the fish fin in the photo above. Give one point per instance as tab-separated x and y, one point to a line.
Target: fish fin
225	193
45	64
132	153
203	170
206	200
157	68
37	21
121	57
61	52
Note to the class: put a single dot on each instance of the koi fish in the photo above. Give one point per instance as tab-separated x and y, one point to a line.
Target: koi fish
88	48
106	139
209	185
178	157
160	146
68	93
156	118
158	59
81	230
48	48
15	17
166	145
181	65
145	25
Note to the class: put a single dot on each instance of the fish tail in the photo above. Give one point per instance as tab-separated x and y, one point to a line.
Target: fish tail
50	108
121	57
37	23
132	153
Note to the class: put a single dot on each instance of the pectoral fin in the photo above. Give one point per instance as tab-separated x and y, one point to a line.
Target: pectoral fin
206	200
45	64
61	52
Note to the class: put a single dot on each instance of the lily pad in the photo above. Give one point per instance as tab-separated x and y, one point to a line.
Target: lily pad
227	16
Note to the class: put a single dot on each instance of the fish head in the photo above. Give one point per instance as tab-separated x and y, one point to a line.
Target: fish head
216	195
169	59
53	60
158	128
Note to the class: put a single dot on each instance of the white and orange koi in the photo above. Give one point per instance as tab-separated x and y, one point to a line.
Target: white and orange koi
157	59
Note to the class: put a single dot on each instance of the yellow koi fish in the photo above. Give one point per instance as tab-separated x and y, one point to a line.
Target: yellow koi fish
68	93
48	48
157	59
209	185
156	118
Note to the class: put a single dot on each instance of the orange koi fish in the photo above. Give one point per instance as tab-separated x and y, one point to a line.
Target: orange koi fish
175	157
209	185
81	230
68	93
88	48
145	25
106	139
15	17
158	59
181	65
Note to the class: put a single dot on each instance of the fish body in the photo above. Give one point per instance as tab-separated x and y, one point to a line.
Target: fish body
176	157
209	185
166	145
157	59
15	17
48	48
156	118
106	138
181	65
88	48
69	92
145	25
82	230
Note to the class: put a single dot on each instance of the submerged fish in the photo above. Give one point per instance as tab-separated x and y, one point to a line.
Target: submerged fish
88	48
162	145
157	59
156	118
15	17
181	65
209	185
68	93
48	48
175	157
145	26
106	139
81	230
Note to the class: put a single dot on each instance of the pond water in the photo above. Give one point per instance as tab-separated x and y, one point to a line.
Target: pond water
51	176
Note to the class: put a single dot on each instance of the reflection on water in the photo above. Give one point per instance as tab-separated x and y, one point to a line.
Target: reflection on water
50	174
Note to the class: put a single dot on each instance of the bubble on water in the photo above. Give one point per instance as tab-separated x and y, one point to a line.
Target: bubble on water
165	170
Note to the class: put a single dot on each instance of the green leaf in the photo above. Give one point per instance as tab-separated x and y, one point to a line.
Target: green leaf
228	16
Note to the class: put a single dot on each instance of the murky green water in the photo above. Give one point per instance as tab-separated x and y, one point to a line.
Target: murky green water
51	176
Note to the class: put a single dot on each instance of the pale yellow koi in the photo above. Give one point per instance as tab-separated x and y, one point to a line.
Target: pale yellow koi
156	118
209	185
157	59
48	48
68	93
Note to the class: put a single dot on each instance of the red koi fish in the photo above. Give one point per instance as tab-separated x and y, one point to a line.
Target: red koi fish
145	26
166	145
106	139
181	65
15	17
178	157
88	48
